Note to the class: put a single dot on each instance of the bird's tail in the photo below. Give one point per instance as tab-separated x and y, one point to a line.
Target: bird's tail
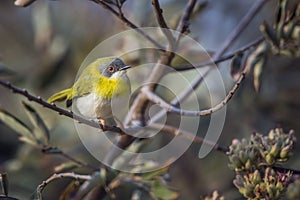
61	96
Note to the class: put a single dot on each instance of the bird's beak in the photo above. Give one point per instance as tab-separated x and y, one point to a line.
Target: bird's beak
125	67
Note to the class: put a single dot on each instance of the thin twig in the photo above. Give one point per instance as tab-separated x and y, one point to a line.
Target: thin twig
59	110
185	19
162	23
221	58
240	27
128	23
72	175
170	108
57	151
188	135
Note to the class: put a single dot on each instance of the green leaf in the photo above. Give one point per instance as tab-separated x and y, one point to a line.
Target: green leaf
5	70
17	125
40	131
236	65
64	167
257	70
161	191
155	174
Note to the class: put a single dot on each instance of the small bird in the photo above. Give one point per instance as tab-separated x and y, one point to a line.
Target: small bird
93	91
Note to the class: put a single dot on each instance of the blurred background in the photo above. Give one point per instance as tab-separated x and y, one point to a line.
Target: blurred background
45	44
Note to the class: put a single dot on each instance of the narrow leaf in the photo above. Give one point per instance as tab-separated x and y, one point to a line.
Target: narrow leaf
16	124
64	167
24	3
161	191
154	174
257	70
236	65
41	131
32	142
269	34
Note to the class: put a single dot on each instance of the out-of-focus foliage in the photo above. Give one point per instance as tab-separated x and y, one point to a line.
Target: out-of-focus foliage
253	160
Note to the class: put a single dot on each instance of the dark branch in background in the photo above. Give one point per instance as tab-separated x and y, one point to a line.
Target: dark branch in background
57	151
130	24
241	26
221	58
162	23
156	99
59	110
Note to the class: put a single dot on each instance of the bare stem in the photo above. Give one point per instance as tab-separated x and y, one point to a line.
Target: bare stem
170	108
55	150
128	23
162	23
221	58
72	175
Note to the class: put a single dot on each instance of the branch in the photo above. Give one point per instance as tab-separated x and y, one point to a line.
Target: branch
184	21
128	23
55	150
42	186
156	99
162	23
221	58
59	110
190	136
241	27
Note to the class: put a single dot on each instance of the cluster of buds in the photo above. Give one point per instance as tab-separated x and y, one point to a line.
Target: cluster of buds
285	34
293	190
255	186
253	160
260	150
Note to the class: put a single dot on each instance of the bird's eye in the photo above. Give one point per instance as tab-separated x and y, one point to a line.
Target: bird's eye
111	69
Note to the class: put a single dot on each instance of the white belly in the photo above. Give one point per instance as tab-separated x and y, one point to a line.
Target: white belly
92	106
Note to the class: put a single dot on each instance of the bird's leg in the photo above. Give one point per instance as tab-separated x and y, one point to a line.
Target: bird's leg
102	121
